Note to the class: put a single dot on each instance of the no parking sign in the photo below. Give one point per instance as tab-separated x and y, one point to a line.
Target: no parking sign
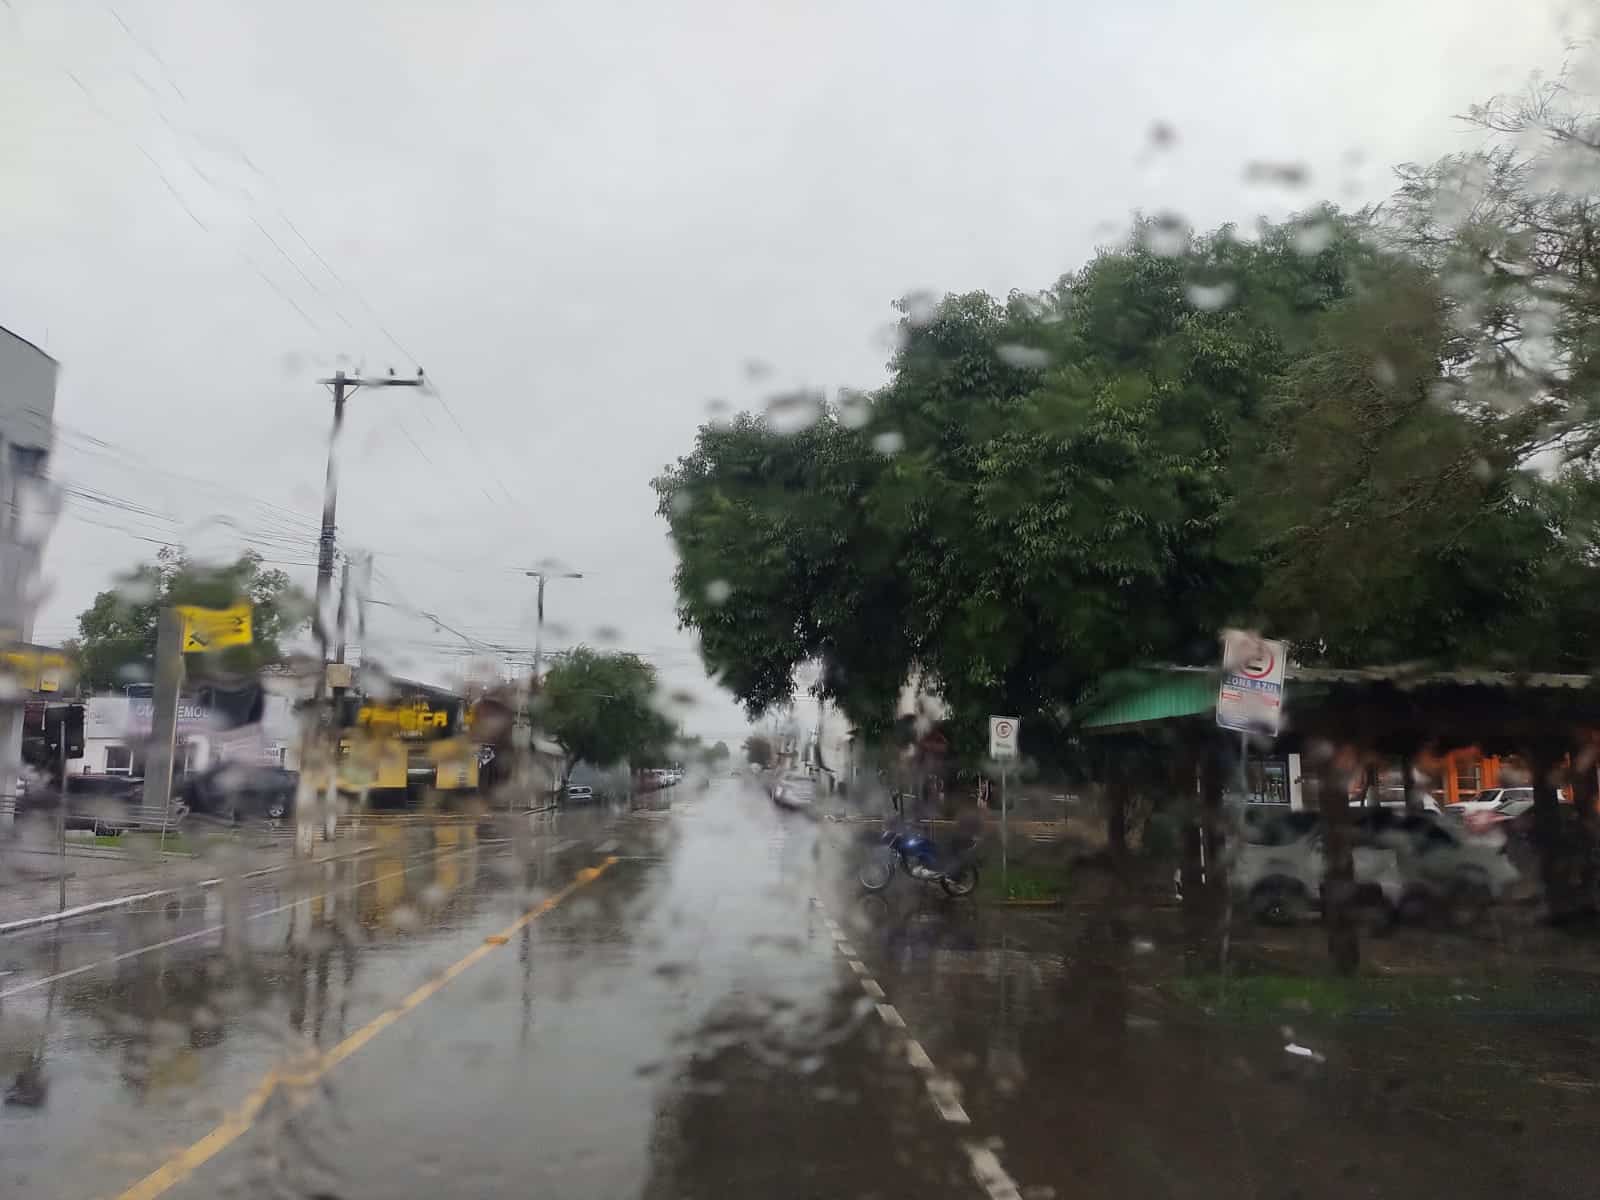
1003	737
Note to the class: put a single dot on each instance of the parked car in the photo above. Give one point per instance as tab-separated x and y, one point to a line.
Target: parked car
1394	799
1487	801
795	789
1409	863
237	790
1444	865
579	793
1280	863
1515	818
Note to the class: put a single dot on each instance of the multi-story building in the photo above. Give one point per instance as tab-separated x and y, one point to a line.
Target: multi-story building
27	425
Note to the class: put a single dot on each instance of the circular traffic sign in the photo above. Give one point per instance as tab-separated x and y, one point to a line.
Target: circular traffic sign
1002	729
1259	664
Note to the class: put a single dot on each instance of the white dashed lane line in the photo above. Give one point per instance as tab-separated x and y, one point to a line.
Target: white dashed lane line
942	1090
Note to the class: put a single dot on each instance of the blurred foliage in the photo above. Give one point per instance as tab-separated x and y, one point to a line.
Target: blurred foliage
600	707
1366	433
116	643
758	749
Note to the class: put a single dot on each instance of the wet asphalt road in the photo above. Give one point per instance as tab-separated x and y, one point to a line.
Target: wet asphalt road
695	1002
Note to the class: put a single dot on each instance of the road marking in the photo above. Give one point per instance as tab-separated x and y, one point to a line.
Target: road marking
944	1092
181	1165
846	949
210	929
101	906
991	1176
917	1056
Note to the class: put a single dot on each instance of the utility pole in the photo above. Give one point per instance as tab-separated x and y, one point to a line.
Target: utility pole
319	754
343	387
522	728
164	719
338	649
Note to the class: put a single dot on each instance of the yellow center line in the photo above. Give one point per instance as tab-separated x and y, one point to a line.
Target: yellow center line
237	1123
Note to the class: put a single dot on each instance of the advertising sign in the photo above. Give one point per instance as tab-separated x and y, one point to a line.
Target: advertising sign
1250	697
215	628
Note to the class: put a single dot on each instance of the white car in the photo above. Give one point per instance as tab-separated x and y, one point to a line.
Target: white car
1394	799
1487	801
1411	860
1280	863
794	789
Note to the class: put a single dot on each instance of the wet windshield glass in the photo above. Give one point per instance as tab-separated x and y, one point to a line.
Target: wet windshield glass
862	600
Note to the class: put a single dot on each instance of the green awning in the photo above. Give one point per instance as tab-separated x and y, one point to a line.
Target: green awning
1146	696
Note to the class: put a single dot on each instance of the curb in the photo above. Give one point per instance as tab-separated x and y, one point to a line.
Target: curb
21	924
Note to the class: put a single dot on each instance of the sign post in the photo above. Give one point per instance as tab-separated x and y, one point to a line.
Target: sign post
1003	748
164	717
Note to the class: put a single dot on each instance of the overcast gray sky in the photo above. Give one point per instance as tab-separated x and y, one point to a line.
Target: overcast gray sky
584	219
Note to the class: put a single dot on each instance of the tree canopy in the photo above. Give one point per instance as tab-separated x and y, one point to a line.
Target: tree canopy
116	643
600	707
1368	433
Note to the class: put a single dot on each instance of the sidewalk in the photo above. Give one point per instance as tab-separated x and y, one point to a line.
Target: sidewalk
30	887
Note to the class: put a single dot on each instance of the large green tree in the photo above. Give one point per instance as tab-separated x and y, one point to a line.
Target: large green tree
116	642
1037	494
600	706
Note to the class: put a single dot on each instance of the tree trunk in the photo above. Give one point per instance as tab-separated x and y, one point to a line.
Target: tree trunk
1548	835
1339	869
1116	801
1585	787
1211	826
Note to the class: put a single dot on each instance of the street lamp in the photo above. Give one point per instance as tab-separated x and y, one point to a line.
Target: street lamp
538	629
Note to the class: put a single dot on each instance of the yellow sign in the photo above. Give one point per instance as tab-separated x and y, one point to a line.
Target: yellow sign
34	670
407	720
215	628
373	763
455	765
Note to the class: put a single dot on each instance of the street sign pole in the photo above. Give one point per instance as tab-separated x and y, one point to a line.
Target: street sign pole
61	813
1005	837
1003	748
164	718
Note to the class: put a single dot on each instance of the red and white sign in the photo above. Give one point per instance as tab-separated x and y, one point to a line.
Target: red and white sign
1003	737
1250	698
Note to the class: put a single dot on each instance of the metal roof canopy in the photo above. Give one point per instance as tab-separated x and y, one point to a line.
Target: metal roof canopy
1390	707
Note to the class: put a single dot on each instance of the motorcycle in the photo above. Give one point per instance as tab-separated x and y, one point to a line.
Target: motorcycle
919	858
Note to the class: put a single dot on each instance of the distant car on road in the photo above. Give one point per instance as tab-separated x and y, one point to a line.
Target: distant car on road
579	794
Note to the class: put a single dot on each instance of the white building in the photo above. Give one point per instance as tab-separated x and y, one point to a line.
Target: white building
116	727
27	509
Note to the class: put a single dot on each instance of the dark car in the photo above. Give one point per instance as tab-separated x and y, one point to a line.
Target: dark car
238	790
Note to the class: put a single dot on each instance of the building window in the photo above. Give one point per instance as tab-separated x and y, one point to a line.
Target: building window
1469	775
119	760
